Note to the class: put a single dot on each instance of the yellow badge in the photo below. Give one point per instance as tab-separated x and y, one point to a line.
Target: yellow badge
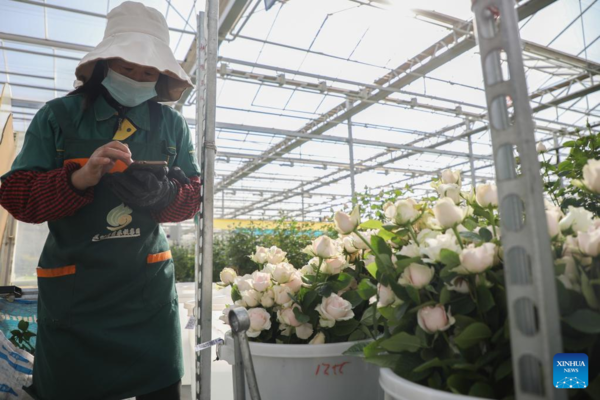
127	129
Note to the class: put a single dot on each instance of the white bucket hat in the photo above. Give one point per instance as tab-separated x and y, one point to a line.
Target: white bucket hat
139	35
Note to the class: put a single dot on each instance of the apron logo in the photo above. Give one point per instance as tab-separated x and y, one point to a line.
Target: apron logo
118	218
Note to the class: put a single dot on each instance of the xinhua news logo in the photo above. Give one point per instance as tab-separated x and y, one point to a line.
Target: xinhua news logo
570	371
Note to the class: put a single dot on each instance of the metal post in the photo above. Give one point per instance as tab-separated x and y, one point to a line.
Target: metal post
471	162
531	290
7	250
239	321
351	151
207	42
302	200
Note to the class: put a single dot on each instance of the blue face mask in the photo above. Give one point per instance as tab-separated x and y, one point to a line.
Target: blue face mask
126	91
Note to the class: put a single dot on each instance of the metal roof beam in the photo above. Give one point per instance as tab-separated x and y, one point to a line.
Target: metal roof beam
394	146
453	45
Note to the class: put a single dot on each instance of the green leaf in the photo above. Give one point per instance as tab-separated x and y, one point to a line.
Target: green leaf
366	289
449	258
486	235
311	298
586	321
386	235
445	295
374	348
353	297
299	316
470	224
588	291
371	224
503	370
325	290
405	262
472	335
385	361
23	325
28	335
485	298
372	268
357	349
342	282
414	294
480	389
402	342
436	362
235	293
344	328
357	335
458	384
401	310
367	317
462	305
471	236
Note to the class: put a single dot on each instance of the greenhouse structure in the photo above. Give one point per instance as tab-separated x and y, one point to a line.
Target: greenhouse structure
404	195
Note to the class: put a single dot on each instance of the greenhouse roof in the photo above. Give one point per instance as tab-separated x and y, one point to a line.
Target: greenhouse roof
407	74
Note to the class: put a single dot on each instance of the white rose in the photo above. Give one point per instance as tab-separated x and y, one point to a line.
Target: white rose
387	297
332	309
578	219
295	282
345	223
260	255
427	234
402	212
281	294
261	281
589	242
333	266
260	320
318	339
267	300
308	269
348	243
416	275
359	243
552	217
324	247
286	316
275	255
435	319
244	283
487	195
304	331
227	276
541	148
447	213
459	285
283	272
410	250
451	191
475	260
591	175
432	247
251	297
451	176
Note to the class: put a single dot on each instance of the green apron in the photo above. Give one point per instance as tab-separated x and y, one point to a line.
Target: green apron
108	321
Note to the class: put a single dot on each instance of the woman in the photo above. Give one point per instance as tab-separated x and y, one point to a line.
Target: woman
108	324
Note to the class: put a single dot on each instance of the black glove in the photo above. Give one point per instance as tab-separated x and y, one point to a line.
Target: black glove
177	174
143	187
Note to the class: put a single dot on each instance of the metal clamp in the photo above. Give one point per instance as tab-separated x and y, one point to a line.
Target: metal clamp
239	320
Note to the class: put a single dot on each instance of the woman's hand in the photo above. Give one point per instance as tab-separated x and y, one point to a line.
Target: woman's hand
101	161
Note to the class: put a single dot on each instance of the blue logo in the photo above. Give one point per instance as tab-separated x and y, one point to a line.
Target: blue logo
571	371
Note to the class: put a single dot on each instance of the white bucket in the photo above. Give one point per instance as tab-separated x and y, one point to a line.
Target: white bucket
186	294
308	372
397	388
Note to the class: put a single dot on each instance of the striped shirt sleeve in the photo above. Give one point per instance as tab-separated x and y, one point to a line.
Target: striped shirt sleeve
185	205
36	197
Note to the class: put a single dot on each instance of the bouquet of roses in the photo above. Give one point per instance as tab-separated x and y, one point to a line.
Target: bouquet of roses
441	303
325	301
